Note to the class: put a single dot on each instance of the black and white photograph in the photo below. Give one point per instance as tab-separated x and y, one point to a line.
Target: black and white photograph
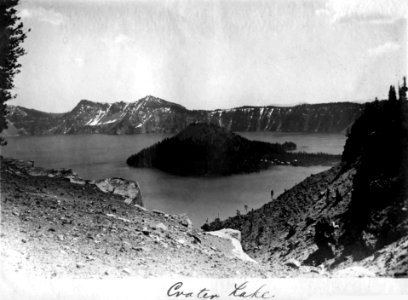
208	149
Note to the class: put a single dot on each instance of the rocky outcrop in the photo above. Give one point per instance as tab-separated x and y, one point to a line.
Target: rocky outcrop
127	189
151	114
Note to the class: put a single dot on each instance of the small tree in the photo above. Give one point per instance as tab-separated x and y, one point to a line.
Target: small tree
392	95
402	90
11	37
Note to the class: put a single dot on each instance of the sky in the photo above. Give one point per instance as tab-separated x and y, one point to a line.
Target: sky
210	54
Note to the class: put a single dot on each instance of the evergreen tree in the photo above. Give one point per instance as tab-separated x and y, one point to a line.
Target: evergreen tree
11	37
392	95
402	91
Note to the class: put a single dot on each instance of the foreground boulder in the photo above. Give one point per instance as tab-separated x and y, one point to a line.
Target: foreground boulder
129	190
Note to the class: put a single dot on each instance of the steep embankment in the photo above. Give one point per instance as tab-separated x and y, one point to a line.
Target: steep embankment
285	227
355	213
151	114
209	150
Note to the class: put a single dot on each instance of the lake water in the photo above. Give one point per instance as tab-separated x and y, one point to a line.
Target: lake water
101	156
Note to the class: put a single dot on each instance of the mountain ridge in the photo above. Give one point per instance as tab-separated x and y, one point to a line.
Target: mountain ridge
155	115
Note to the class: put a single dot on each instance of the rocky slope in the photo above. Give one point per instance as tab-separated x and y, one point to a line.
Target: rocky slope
354	213
151	114
54	224
57	225
203	149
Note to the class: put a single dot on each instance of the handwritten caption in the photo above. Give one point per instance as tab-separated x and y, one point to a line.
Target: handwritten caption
178	290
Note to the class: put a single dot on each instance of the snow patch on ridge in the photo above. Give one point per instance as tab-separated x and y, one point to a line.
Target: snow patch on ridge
96	120
108	122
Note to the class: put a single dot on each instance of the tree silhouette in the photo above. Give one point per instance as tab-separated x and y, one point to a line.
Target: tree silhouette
402	91
11	37
392	95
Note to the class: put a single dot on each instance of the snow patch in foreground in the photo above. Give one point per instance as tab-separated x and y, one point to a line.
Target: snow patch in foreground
229	235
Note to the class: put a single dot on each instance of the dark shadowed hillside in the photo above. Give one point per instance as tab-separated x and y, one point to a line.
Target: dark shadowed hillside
345	214
26	121
207	149
377	148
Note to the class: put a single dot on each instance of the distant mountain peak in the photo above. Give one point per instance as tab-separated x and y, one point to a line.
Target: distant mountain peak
86	102
151	98
156	102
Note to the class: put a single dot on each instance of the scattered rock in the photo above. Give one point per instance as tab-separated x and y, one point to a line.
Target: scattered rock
140	207
36	171
126	271
90	257
125	247
145	231
80	265
161	226
138	249
196	239
76	180
181	241
19	164
293	263
185	221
